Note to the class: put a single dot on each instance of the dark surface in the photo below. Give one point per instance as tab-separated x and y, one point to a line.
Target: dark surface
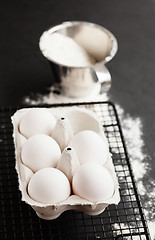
23	70
19	221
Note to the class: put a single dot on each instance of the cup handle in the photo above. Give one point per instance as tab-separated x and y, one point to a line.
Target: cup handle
104	77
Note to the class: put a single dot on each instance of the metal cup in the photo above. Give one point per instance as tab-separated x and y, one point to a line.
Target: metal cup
82	80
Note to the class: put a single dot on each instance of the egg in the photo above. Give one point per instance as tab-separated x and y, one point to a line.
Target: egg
37	121
40	151
93	182
89	147
49	186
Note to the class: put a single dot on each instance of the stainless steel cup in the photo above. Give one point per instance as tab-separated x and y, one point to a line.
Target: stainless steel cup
82	80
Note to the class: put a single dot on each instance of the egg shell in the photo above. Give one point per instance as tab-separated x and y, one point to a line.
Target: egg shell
40	151
52	211
49	185
89	147
37	121
93	182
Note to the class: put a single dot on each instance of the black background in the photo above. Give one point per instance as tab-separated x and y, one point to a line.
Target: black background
23	69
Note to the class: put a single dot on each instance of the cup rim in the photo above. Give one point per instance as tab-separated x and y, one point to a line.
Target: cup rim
65	24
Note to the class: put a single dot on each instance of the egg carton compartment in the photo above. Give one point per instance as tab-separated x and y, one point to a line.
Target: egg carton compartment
19	221
67	128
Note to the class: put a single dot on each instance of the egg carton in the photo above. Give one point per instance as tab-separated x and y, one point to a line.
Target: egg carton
69	122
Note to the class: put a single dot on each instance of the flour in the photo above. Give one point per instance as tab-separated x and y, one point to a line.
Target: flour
62	49
125	230
133	133
52	97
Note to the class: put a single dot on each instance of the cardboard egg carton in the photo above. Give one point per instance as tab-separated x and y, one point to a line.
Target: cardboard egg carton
69	122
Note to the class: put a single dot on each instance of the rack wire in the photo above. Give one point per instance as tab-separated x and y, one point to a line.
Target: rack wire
19	221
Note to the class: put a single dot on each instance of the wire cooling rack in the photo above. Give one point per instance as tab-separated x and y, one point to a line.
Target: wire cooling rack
19	221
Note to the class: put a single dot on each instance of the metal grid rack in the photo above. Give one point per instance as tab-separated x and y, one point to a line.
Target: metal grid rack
19	221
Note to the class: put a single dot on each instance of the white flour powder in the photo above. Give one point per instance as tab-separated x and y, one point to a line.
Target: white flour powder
133	133
62	49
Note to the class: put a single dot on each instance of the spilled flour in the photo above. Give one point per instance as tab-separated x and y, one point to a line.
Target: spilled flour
133	133
57	98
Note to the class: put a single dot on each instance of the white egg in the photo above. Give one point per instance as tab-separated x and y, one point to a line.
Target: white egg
40	151
93	182
37	121
49	186
89	147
